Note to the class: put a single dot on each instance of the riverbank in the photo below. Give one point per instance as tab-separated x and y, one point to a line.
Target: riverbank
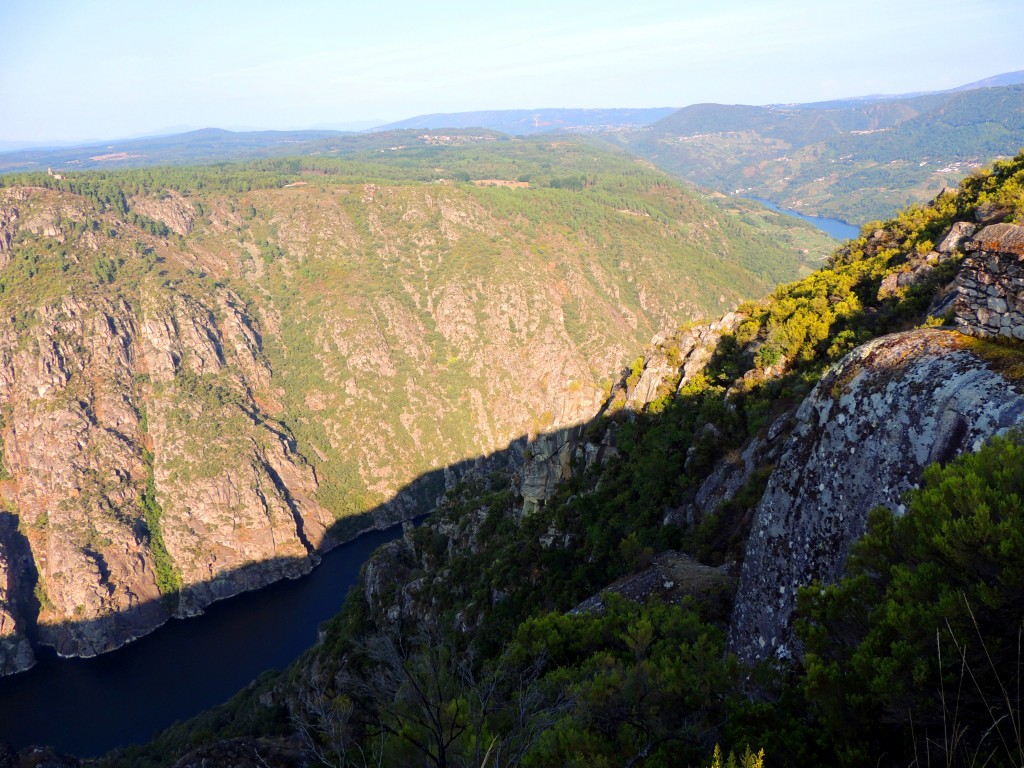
89	706
834	228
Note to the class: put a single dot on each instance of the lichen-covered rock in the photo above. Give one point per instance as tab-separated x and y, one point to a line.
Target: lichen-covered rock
547	463
732	472
957	235
862	437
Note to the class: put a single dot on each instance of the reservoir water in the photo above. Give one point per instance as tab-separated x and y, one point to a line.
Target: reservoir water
839	230
89	706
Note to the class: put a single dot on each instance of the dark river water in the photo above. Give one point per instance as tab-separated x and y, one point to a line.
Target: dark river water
89	706
834	228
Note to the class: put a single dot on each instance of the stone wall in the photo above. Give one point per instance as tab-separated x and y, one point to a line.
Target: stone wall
990	287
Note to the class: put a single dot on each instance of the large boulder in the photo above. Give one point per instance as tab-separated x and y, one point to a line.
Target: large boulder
862	438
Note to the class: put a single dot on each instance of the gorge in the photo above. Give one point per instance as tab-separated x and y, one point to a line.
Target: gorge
240	376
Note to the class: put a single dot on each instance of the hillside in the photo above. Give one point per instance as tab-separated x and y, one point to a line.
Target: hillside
215	145
853	160
210	376
635	594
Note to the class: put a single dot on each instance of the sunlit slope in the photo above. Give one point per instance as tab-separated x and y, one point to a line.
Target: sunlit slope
203	369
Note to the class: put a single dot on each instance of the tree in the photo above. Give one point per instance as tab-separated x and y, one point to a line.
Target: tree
917	648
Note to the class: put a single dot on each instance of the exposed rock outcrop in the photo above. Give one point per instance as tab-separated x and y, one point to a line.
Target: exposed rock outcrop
955	238
92	390
8	228
548	461
171	209
73	446
669	363
670	577
237	501
672	360
861	438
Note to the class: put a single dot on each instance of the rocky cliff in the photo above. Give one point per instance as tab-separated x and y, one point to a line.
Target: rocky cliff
144	476
196	387
868	430
862	438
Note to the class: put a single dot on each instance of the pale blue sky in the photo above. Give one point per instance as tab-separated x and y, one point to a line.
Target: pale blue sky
79	69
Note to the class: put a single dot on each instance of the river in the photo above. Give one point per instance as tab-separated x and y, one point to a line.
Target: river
834	228
89	706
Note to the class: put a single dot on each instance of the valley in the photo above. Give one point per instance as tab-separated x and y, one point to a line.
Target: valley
758	540
854	160
697	481
212	376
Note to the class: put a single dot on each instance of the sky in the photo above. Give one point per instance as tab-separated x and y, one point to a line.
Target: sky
75	70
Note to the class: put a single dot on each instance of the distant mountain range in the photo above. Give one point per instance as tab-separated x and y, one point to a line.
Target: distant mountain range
855	159
524	122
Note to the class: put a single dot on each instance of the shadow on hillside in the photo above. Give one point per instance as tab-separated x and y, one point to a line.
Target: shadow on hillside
568	452
89	706
90	637
752	408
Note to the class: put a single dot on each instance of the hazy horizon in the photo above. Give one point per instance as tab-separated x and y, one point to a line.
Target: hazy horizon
75	73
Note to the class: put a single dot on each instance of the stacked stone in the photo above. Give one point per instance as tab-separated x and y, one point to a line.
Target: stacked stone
990	286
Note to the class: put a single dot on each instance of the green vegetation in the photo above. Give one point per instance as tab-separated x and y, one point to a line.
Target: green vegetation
913	657
168	578
918	650
850	160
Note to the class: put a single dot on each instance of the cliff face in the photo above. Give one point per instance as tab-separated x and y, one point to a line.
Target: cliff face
196	387
862	438
103	399
15	650
871	426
